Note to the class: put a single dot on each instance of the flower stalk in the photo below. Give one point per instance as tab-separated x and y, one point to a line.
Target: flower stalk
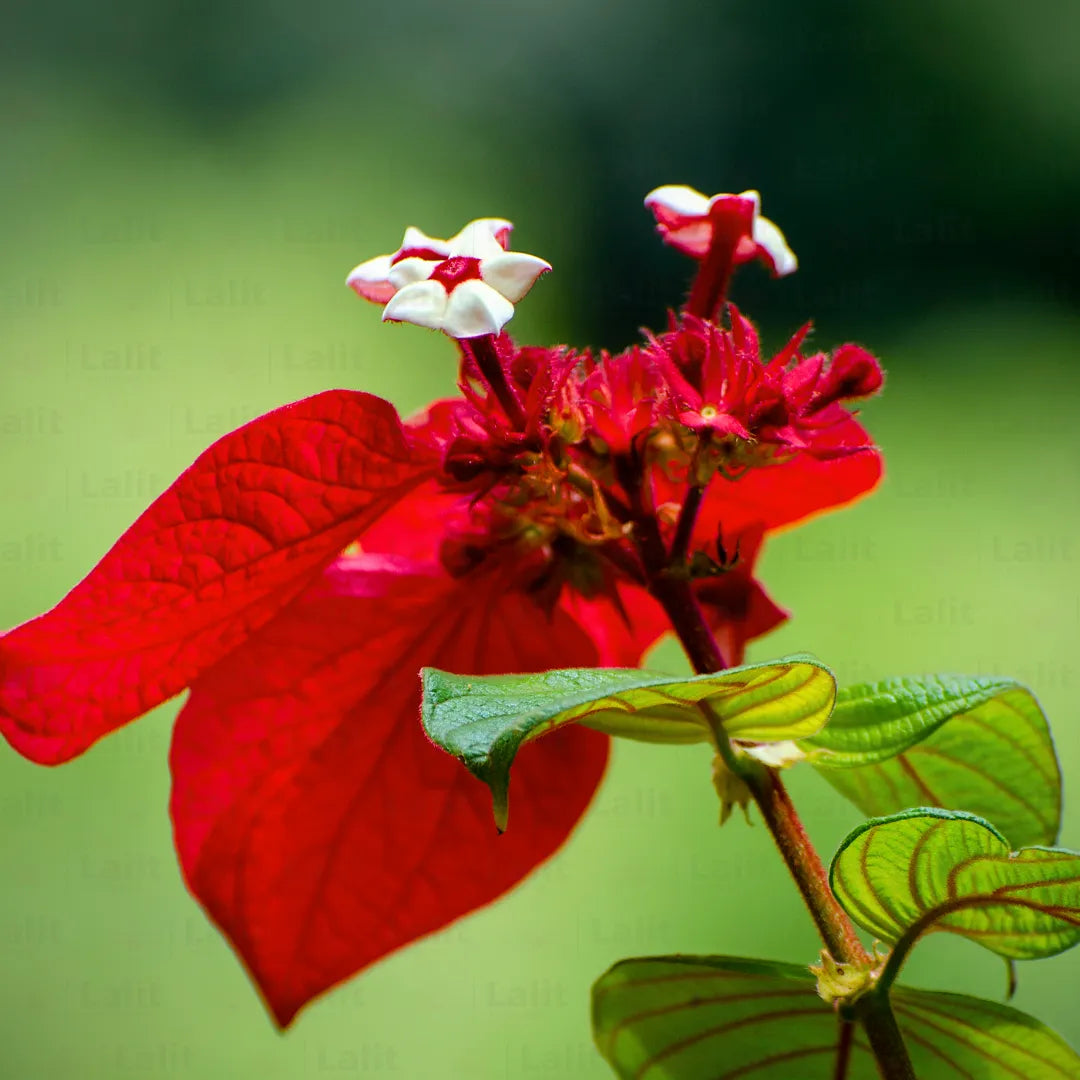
668	583
709	291
684	529
777	810
804	864
487	360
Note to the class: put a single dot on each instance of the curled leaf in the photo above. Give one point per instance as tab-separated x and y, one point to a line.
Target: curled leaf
928	870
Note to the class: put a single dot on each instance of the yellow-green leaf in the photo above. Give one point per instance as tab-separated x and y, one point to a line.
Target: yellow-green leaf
976	744
726	1018
483	720
927	870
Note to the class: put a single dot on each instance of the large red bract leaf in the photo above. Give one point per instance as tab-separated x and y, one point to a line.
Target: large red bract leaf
622	625
236	537
416	527
776	496
314	820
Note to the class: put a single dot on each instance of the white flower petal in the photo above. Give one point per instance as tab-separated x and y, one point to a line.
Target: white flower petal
677	200
417	240
477	240
371	279
409	271
499	228
771	240
475	308
513	273
422	303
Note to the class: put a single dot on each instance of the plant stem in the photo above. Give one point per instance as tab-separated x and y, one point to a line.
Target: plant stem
684	528
877	1018
487	360
805	866
709	290
777	810
670	587
677	599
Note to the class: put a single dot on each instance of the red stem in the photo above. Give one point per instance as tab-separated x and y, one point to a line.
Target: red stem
668	584
806	867
684	528
709	290
674	592
487	360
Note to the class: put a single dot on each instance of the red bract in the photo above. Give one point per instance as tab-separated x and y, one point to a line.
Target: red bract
313	819
300	736
235	539
299	574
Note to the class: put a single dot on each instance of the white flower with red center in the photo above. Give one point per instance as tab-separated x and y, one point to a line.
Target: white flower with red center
687	220
465	286
371	279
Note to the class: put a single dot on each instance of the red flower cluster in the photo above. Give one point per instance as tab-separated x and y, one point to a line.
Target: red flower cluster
298	575
763	412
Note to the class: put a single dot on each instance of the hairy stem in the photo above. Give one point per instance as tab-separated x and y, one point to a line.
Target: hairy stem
777	809
487	360
805	866
676	596
678	601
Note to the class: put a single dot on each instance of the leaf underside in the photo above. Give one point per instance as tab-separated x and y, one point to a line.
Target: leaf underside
724	1018
977	744
942	870
484	721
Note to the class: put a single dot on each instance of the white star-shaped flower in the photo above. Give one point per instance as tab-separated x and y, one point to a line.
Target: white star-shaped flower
371	279
684	218
465	286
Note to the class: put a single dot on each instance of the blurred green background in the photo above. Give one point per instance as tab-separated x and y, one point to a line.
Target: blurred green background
182	190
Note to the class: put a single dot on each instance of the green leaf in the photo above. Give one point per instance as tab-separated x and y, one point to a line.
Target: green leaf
926	870
723	1018
953	1035
976	744
483	720
703	1018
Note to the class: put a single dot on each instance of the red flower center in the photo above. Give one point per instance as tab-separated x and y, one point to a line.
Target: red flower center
452	272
